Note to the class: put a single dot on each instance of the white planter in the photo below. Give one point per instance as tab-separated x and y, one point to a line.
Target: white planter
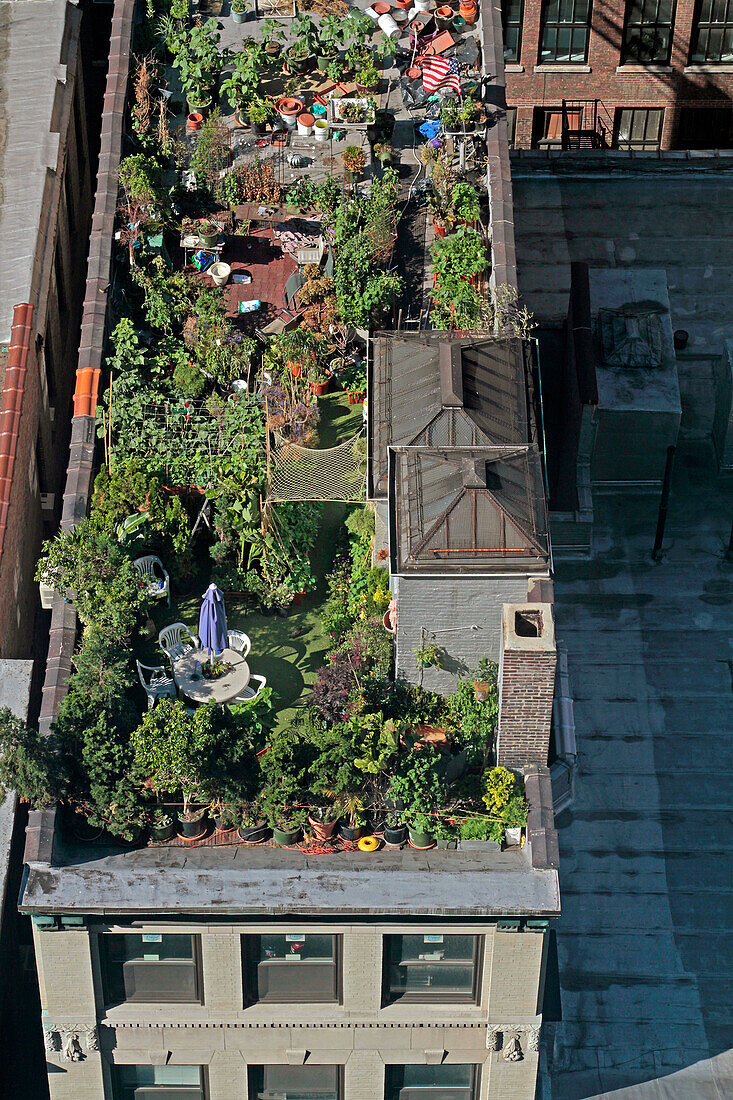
289	120
514	835
304	131
423	5
371	13
388	25
220	273
321	129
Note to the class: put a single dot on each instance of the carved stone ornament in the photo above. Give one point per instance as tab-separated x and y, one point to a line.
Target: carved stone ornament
74	1041
496	1039
512	1050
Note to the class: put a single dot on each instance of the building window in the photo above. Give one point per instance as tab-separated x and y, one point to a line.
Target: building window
431	1083
565	30
639	127
159	1083
648	31
712	31
512	12
295	1083
431	967
151	968
291	967
511	126
705	128
60	287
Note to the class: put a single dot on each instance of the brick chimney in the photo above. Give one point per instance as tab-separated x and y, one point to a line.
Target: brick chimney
526	684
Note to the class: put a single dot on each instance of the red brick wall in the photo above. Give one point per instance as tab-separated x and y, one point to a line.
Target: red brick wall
670	87
527	686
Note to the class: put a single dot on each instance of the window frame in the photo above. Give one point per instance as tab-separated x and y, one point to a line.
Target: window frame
250	963
475	1079
645	145
338	1066
628	58
106	971
117	1087
573	24
519	25
472	998
710	26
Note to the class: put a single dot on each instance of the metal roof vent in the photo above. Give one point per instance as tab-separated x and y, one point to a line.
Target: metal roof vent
451	376
474	473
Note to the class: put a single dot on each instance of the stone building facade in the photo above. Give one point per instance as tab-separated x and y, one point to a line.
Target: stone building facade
661	72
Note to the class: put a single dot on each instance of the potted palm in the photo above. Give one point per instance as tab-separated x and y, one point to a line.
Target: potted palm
352	808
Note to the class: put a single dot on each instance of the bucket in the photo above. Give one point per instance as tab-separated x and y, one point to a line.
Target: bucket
220	273
423	5
305	124
388	25
321	129
194	120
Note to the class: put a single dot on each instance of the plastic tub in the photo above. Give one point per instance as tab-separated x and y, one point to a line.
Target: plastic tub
220	273
305	124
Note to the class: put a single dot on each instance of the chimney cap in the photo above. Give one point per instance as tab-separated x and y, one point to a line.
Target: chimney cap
451	375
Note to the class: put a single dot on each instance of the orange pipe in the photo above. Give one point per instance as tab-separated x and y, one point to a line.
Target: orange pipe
12	400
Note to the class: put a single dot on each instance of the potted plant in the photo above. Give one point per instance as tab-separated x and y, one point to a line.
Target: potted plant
252	825
287	825
301	55
323	821
81	827
427	655
226	817
208	232
242	83
273	35
515	817
464	203
354	381
161	824
259	111
384	152
240	10
352	808
420	828
459	117
199	63
331	35
367	77
395	830
354	159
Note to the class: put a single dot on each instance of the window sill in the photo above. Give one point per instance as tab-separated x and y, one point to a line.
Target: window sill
721	67
563	68
513	67
633	67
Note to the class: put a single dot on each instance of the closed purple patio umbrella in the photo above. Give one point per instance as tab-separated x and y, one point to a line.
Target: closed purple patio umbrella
213	622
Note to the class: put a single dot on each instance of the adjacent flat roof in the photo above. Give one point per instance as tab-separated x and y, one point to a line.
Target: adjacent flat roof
31	41
233	881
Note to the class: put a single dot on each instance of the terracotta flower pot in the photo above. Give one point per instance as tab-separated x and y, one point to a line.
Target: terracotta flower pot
439	230
319	388
194	120
444	17
295	369
288	107
468	10
381	8
322	830
404	4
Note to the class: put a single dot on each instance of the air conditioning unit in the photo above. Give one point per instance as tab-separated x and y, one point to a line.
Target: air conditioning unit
48	502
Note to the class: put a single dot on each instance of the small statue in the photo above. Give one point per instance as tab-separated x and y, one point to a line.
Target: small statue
72	1050
513	1051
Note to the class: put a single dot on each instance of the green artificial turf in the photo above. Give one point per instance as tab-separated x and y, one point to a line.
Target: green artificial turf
289	662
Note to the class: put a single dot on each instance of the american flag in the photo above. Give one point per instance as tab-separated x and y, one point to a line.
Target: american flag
439	72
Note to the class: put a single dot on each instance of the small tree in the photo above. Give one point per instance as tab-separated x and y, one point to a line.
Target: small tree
171	747
28	764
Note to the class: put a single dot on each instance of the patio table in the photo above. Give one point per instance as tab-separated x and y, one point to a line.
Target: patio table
188	677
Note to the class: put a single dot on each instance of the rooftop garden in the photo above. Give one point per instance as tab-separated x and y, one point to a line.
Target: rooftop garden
238	291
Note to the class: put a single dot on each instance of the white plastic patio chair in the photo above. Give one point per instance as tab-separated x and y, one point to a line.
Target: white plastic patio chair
252	690
238	640
159	685
149	568
176	641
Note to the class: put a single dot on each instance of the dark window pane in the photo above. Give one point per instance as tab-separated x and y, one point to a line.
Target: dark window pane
294	1082
639	128
648	31
512	11
712	32
297	967
431	968
431	1082
564	35
149	968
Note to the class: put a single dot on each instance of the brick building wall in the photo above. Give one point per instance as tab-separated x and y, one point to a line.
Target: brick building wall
526	684
53	315
673	87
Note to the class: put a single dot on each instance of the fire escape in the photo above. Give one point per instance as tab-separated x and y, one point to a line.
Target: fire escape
586	124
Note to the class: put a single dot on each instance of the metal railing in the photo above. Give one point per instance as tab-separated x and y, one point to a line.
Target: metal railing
586	124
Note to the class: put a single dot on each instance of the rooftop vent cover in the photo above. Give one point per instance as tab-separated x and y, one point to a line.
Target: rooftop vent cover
630	337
